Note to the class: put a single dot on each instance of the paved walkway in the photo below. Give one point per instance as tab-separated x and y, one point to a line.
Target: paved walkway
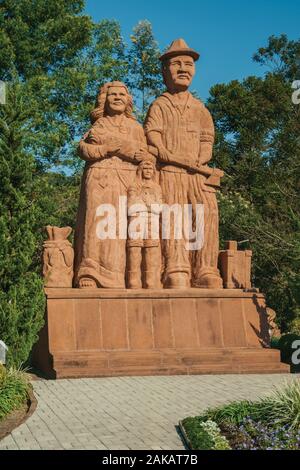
127	412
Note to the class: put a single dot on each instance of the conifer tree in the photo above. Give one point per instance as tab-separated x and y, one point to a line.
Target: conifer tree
21	293
258	146
144	67
53	59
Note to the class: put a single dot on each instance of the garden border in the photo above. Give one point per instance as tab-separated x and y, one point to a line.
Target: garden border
184	436
19	416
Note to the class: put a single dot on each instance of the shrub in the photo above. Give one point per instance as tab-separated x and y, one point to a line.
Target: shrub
2	372
21	317
269	423
282	407
274	342
205	435
198	436
285	344
14	389
21	288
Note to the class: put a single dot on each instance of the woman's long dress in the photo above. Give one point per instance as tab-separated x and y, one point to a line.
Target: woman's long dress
104	181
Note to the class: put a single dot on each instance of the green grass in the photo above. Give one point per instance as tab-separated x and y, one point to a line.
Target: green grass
283	406
232	413
14	389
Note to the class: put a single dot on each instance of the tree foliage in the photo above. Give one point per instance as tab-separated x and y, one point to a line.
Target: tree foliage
258	146
144	67
54	59
62	57
21	294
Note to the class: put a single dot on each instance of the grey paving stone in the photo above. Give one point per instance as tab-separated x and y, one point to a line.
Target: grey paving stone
127	412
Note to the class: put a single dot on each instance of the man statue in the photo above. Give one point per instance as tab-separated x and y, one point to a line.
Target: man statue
180	132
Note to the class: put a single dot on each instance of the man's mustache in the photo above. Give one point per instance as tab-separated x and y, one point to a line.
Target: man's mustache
184	74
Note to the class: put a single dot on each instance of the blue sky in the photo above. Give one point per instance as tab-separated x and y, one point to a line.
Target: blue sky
225	32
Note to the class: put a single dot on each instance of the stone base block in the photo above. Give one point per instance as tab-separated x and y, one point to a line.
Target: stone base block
107	332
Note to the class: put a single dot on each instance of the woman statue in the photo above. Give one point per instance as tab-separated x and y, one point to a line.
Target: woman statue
112	148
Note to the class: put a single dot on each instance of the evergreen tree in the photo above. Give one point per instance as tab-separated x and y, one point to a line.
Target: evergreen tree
54	60
62	57
258	136
144	68
21	293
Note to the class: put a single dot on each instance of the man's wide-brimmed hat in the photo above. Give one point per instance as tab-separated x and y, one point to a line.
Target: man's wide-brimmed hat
179	47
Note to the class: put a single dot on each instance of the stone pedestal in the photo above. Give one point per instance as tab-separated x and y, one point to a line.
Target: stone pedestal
110	332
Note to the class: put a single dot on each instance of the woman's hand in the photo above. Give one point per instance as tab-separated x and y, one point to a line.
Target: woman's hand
141	154
113	145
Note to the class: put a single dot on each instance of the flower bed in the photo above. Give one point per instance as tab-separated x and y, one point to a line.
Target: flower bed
17	401
272	423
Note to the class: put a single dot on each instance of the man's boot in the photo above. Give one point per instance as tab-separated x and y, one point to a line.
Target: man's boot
134	258
178	280
152	279
134	280
209	279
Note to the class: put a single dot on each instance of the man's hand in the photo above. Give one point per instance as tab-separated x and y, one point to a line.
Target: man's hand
164	155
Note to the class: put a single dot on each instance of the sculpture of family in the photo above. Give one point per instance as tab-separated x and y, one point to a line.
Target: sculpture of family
164	162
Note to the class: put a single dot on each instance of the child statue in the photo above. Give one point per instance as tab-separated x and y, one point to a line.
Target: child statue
143	246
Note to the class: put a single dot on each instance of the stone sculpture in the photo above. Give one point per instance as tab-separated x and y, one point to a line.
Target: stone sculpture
179	133
181	130
58	257
144	252
235	266
112	148
197	326
274	330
